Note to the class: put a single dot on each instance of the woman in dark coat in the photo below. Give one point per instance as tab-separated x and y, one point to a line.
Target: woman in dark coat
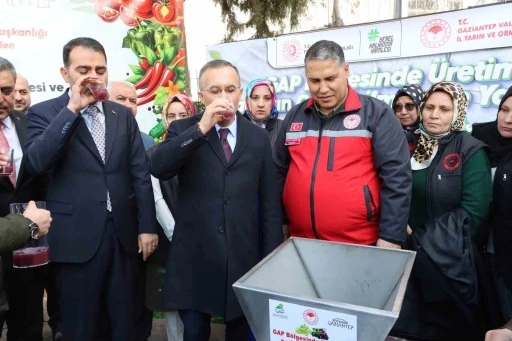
449	203
498	136
406	106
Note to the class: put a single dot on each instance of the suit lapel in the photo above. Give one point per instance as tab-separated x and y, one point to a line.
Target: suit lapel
111	118
82	132
243	136
20	123
21	128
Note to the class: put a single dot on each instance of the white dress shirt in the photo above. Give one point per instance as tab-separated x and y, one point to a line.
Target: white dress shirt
163	214
233	129
14	142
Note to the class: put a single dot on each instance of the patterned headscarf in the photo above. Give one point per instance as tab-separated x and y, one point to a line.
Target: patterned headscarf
416	93
187	103
427	142
262	81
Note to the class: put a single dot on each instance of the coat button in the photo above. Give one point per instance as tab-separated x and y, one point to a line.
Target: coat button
221	229
228	172
226	201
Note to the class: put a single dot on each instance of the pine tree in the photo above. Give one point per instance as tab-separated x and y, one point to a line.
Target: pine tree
262	15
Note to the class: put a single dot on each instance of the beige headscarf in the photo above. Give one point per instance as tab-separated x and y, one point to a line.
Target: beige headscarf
427	142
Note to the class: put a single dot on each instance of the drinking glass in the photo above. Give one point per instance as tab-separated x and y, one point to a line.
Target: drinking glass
9	168
228	114
99	91
34	252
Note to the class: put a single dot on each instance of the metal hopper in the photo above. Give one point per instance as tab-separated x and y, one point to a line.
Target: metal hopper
310	290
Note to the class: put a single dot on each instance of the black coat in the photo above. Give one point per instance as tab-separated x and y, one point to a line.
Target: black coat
169	190
28	187
216	238
449	296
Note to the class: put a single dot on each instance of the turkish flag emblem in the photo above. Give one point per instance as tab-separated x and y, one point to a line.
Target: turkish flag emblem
296	126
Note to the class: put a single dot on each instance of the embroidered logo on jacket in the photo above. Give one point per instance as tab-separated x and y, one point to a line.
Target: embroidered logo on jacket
451	161
352	121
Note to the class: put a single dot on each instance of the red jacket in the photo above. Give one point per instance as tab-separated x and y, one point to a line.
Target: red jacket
346	177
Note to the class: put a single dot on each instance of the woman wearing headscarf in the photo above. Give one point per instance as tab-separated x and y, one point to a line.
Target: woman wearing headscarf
450	200
406	106
261	108
177	107
498	136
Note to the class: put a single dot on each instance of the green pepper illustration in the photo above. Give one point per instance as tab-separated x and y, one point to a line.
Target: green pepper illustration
141	41
167	41
145	36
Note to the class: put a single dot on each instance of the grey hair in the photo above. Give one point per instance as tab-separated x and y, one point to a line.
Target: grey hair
6	65
217	64
111	84
324	50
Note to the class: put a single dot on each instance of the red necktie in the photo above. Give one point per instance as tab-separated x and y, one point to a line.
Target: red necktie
4	148
225	145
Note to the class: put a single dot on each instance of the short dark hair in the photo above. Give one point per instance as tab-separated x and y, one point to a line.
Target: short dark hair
324	50
88	43
217	64
6	65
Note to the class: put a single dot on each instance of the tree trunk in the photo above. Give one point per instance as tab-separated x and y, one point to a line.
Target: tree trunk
336	16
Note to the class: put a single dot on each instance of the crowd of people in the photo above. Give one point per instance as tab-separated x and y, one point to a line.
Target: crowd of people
135	227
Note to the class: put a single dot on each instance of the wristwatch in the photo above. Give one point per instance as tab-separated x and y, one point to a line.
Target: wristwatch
34	229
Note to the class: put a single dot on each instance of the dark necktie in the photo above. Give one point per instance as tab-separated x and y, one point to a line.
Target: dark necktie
225	145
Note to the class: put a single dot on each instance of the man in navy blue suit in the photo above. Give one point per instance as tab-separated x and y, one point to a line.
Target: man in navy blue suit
100	197
224	167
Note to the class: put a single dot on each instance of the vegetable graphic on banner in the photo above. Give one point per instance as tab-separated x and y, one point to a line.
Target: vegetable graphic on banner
156	38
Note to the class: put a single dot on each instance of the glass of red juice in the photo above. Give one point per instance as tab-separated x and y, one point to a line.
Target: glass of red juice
34	252
228	114
99	91
9	168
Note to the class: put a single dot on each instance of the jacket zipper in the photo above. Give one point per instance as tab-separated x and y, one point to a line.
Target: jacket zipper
313	177
369	203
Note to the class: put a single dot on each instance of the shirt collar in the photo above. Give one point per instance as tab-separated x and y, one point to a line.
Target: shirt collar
8	123
231	127
335	110
98	105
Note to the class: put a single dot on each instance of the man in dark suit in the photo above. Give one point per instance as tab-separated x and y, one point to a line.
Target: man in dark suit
224	168
125	94
99	194
24	287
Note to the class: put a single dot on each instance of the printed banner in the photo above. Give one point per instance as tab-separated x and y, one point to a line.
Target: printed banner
467	30
292	322
290	51
484	74
137	35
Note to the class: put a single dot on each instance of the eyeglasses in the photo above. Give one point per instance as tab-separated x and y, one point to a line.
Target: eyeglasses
215	90
408	107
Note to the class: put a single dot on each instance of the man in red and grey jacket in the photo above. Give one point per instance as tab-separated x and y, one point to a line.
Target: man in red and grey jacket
343	160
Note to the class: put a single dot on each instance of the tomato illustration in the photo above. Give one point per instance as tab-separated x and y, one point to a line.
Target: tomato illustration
164	12
142	7
106	13
128	16
116	4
